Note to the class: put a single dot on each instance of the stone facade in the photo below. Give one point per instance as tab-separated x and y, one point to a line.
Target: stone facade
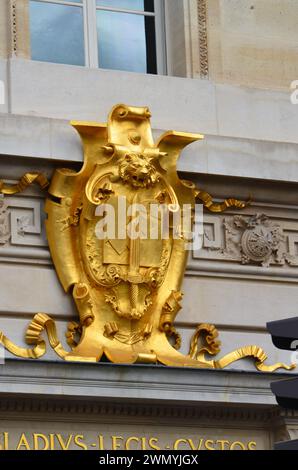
253	43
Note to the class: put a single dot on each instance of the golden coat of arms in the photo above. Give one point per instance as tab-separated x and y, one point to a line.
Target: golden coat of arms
127	289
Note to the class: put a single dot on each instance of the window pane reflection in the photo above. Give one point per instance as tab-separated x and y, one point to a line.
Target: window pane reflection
124	40
57	33
142	5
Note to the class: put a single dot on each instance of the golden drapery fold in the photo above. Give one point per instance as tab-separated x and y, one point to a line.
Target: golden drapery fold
206	333
26	180
40	322
207	201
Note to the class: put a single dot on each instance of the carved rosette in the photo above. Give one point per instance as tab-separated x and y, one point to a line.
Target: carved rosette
259	239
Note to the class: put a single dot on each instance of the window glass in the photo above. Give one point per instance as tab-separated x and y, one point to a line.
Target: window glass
65	1
142	5
57	33
126	42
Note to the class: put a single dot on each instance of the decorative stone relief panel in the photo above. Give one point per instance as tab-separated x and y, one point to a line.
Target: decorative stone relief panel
4	222
22	228
25	220
255	240
19	28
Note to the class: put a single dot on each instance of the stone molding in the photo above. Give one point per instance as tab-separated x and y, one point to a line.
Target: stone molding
14	29
285	424
203	38
22	230
11	409
260	241
137	383
19	29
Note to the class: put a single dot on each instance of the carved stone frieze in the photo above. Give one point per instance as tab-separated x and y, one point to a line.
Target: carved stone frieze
257	240
20	222
14	29
203	38
4	223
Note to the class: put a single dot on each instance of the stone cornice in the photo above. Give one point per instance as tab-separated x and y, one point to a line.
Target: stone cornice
139	383
65	410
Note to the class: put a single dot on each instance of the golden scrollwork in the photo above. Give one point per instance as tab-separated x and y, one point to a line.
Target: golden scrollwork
113	331
208	335
74	330
25	181
127	289
207	201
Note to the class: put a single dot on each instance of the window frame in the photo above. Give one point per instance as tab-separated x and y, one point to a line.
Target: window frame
89	9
